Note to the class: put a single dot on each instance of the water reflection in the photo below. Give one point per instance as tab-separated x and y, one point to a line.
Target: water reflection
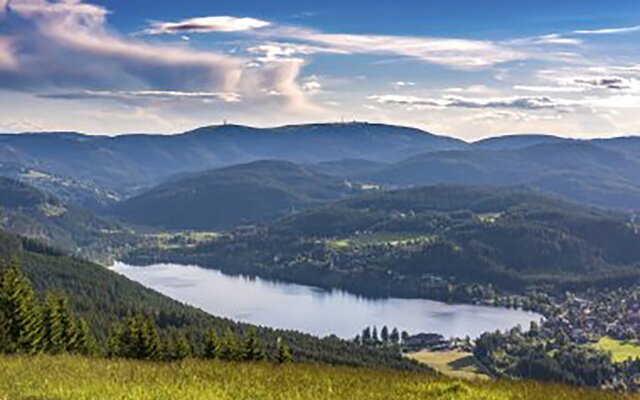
315	310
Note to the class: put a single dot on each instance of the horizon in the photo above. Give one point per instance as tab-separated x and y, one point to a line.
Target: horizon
272	127
569	68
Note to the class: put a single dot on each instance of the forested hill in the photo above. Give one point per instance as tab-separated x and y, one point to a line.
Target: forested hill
128	162
32	213
232	196
103	297
435	242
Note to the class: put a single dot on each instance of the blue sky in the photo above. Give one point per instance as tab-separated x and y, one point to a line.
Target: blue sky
466	68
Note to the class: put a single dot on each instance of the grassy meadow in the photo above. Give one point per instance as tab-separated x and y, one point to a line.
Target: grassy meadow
71	378
620	351
455	363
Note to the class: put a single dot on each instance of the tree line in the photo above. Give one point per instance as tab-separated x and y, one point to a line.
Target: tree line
29	325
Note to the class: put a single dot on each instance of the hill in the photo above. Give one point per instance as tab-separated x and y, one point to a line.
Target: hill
442	242
128	163
231	196
78	378
103	297
33	213
598	173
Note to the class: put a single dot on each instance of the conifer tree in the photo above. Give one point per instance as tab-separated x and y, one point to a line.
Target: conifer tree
21	311
283	355
69	325
384	335
4	332
52	326
149	344
85	343
229	346
212	344
182	348
253	350
394	337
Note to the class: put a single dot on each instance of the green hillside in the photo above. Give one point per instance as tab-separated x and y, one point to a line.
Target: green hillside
231	196
103	298
443	242
78	378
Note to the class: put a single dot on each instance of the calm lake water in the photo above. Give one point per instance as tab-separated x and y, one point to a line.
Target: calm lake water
314	310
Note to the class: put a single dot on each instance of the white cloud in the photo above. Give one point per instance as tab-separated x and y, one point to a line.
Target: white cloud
311	84
162	95
454	53
525	103
403	84
609	31
206	25
281	51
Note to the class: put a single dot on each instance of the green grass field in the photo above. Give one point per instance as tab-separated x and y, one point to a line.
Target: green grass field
378	239
620	351
455	364
72	378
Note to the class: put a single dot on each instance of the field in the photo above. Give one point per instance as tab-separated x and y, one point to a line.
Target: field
620	351
80	378
379	239
455	364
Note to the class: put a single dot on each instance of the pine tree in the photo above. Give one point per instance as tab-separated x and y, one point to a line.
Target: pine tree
283	355
366	336
374	335
149	344
85	344
253	350
182	348
115	341
21	311
69	326
52	325
384	334
212	344
394	337
229	346
4	332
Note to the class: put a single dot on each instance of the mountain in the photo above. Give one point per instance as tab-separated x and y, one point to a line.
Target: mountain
516	141
129	163
33	213
103	297
434	242
231	196
598	173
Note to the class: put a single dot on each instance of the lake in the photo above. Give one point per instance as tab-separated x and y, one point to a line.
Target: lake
313	310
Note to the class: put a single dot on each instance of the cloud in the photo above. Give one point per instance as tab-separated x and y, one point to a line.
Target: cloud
403	84
311	84
522	103
609	31
550	89
145	94
282	51
65	48
608	82
206	25
454	53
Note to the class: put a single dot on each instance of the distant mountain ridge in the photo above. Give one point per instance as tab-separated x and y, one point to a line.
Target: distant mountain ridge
130	162
231	196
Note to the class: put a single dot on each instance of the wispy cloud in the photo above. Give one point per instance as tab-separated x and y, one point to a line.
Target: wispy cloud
162	95
523	103
609	31
206	25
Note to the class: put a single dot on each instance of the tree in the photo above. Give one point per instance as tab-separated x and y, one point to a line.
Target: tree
253	350
394	337
182	348
23	319
366	336
212	344
374	335
283	355
69	325
384	334
229	346
85	344
137	338
52	325
4	332
150	345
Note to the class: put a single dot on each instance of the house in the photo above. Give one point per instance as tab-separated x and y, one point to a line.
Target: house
421	341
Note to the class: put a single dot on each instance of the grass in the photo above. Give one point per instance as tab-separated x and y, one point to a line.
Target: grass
453	363
51	378
620	351
379	239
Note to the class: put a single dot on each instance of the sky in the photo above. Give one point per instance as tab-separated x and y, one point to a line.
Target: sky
464	68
